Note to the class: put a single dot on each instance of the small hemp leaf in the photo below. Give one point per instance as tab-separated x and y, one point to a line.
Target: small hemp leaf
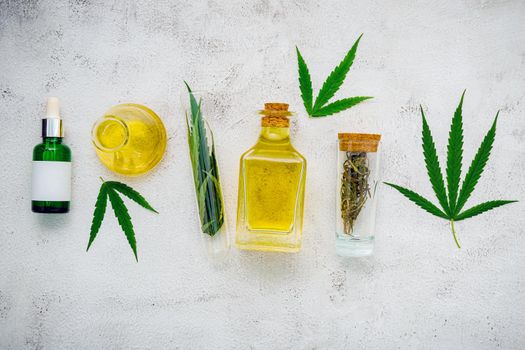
321	107
453	198
110	190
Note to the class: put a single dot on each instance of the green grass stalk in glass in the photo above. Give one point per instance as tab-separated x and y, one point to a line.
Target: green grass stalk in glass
214	229
51	176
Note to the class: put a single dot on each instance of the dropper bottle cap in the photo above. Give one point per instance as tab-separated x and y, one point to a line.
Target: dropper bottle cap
53	108
52	124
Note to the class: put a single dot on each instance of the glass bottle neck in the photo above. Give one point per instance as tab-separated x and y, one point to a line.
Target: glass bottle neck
52	140
275	134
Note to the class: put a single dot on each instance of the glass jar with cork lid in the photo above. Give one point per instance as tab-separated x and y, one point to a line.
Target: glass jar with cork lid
356	197
271	187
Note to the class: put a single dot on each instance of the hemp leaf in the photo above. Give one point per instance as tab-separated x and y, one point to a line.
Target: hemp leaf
111	190
453	202
320	108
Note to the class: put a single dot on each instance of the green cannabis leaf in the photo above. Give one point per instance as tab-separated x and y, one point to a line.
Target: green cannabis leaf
320	108
453	203
131	194
205	169
111	190
305	83
98	214
340	105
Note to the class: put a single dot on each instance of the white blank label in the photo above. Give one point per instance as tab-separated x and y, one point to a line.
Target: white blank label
51	181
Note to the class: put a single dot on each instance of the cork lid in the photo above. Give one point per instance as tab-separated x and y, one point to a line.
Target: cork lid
275	114
358	142
275	106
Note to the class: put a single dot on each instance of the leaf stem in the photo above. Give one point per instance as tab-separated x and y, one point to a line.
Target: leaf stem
454	233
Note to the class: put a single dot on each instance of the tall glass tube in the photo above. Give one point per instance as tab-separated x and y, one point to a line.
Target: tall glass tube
356	197
210	203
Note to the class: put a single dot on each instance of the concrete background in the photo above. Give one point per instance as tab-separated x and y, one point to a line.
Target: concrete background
419	291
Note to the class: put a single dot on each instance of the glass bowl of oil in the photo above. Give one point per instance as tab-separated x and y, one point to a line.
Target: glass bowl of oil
130	139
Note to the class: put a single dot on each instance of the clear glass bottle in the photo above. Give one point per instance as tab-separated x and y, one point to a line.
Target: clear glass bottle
356	197
51	175
210	203
130	139
271	187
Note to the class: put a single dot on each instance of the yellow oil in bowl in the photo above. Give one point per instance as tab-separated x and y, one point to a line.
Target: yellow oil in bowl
130	139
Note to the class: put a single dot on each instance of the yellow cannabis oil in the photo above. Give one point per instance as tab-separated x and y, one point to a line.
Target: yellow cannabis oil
271	200
130	139
271	188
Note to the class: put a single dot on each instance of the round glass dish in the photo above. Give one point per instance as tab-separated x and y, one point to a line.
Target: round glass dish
130	139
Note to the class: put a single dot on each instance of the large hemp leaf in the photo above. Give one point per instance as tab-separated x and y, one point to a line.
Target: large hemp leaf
453	198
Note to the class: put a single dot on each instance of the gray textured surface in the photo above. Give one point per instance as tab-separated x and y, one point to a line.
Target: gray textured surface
418	292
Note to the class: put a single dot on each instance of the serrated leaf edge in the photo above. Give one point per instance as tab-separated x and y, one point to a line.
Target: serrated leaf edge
482	208
432	164
305	82
477	166
131	194
124	219
345	102
455	156
98	214
336	77
419	200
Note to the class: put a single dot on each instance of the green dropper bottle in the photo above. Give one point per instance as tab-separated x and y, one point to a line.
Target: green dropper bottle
51	190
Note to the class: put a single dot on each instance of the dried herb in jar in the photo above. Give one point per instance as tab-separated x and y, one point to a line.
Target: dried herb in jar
355	189
355	150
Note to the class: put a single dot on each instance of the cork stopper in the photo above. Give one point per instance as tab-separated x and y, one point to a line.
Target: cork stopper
275	114
276	106
350	142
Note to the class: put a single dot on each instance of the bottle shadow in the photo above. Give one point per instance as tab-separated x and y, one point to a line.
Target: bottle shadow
269	265
53	222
